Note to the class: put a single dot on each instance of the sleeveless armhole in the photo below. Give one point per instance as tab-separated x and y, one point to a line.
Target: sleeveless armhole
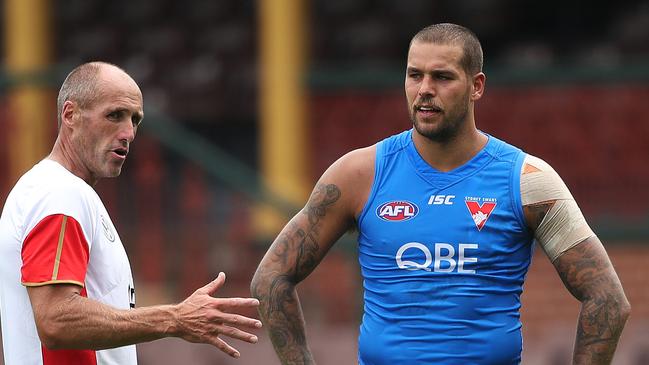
378	162
516	189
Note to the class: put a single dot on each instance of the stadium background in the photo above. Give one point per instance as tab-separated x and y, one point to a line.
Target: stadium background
248	102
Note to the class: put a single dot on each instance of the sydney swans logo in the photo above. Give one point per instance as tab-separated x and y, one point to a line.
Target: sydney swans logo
480	209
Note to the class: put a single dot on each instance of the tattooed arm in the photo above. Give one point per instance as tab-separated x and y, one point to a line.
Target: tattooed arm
302	244
581	261
588	274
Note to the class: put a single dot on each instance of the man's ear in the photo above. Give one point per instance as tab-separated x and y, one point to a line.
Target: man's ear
69	113
478	86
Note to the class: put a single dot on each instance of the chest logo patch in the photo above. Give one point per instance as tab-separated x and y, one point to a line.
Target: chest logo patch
108	229
397	210
480	212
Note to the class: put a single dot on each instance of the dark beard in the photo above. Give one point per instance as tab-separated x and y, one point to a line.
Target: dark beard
449	129
447	132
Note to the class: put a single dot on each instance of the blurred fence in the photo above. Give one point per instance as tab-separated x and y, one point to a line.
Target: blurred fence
184	209
595	136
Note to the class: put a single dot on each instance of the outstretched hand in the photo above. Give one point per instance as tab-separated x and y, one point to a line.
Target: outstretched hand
202	318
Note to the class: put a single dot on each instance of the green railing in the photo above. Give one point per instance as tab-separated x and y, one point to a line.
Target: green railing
391	76
216	162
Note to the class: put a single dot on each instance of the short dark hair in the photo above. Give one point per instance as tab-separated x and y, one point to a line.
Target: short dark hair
453	34
80	86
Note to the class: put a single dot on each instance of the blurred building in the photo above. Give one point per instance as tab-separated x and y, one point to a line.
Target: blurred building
566	81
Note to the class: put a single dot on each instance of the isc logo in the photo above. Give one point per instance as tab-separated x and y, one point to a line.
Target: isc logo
397	211
441	200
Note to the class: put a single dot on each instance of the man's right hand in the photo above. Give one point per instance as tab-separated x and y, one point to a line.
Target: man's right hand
202	318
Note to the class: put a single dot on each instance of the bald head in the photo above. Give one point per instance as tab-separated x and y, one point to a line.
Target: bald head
83	84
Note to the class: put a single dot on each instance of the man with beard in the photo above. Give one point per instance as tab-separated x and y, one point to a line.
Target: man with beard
446	216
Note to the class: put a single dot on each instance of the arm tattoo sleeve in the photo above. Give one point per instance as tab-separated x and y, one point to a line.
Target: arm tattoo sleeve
589	276
580	259
292	257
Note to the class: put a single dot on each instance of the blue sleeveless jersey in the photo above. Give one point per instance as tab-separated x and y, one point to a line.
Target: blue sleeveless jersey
443	257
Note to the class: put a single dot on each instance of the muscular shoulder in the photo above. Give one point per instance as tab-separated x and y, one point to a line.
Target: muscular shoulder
550	210
353	174
540	183
357	164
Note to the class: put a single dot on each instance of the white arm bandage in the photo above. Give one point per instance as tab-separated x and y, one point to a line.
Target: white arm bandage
564	226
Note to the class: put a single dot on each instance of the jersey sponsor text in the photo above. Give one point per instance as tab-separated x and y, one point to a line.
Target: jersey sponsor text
445	258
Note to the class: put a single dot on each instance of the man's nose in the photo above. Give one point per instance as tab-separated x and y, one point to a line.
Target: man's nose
427	86
127	132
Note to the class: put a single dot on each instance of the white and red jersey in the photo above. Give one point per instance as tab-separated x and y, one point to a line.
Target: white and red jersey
55	229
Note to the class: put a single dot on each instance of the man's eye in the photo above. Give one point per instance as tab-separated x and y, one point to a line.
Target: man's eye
114	115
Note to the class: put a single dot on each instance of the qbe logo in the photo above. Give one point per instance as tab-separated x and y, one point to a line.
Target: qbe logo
443	258
397	210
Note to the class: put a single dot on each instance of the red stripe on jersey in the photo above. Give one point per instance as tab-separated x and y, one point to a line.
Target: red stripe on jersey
69	357
55	250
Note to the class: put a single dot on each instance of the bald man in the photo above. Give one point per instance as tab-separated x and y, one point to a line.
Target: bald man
66	287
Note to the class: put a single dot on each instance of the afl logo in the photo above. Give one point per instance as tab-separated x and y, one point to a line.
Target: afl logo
397	210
